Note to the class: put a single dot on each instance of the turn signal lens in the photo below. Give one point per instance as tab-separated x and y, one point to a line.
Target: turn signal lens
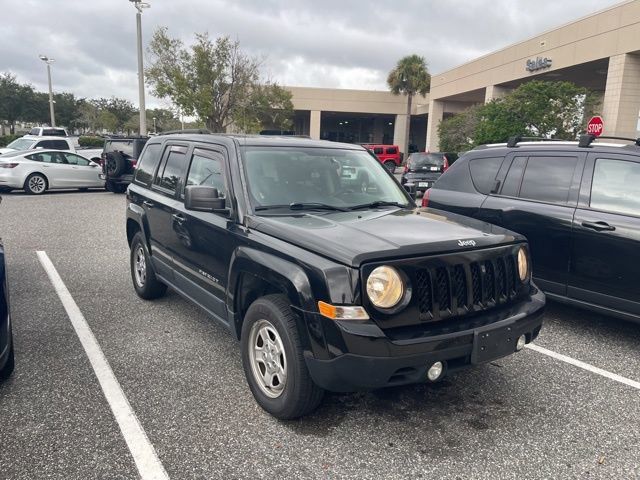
385	288
341	312
523	264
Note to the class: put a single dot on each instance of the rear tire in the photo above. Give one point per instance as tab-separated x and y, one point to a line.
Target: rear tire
36	184
146	284
391	165
7	370
114	187
273	361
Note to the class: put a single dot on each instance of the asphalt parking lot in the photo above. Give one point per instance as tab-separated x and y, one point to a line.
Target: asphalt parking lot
526	416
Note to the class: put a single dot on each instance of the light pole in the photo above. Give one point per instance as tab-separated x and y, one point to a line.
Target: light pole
49	61
155	130
140	5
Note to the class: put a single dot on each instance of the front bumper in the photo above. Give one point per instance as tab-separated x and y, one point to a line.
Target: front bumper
368	360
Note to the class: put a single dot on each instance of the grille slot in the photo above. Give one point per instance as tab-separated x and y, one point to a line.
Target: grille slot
423	288
460	286
489	282
442	287
477	285
501	278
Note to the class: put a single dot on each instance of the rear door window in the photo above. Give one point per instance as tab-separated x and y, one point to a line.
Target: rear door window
548	179
483	173
392	151
512	182
147	165
378	150
616	187
171	169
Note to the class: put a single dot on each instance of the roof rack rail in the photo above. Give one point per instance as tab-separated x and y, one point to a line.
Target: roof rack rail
514	141
187	131
587	139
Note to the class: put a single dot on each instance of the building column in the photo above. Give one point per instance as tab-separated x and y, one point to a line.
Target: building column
621	105
436	112
399	131
314	124
493	92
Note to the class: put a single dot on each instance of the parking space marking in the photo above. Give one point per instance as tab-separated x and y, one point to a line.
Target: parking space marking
144	455
585	366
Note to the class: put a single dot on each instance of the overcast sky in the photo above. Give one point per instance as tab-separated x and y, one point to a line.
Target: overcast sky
326	43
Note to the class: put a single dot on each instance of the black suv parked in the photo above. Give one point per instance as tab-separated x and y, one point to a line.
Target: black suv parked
422	170
119	159
578	204
328	283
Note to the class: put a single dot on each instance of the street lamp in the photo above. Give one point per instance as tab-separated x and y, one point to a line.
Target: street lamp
155	130
49	61
140	5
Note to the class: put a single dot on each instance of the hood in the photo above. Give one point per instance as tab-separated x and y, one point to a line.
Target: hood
353	238
6	150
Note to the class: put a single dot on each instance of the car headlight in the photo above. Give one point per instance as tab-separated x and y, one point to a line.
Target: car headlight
385	288
523	264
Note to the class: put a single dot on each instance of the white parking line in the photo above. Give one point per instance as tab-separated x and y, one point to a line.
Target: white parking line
585	366
144	455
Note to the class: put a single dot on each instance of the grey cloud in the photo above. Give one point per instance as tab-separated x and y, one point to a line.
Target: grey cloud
333	43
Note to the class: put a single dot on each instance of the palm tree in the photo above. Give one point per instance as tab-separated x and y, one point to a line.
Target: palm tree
409	78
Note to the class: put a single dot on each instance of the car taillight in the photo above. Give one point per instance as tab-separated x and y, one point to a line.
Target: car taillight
9	165
134	164
406	168
445	165
425	198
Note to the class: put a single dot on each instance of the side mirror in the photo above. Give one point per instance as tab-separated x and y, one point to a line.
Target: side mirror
204	199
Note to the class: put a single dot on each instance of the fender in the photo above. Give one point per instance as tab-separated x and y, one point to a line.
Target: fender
288	276
139	216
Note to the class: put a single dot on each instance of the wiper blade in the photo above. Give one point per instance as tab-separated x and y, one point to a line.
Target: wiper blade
303	206
315	206
378	203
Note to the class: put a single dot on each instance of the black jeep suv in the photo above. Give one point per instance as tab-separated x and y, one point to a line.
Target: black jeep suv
319	262
119	159
578	204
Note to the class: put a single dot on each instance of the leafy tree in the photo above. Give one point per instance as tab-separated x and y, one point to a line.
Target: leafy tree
212	80
14	100
536	108
410	77
457	133
108	121
268	107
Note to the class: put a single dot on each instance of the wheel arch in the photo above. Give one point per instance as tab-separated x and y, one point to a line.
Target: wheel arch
253	274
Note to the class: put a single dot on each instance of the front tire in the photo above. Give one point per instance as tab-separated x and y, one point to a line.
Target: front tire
36	184
273	361
146	284
391	166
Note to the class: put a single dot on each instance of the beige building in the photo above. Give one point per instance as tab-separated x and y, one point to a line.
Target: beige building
600	52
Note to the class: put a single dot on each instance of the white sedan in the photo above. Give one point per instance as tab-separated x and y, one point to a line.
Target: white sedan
37	171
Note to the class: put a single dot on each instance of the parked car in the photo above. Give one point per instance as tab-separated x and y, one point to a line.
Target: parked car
36	142
118	160
7	362
327	285
578	204
422	170
41	170
48	132
389	155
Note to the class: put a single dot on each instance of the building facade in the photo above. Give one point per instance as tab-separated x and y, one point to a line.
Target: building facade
600	52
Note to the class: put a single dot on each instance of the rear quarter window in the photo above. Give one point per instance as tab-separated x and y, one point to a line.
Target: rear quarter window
392	151
483	173
457	179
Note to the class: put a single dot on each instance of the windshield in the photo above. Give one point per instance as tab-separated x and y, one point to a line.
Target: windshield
21	144
315	177
419	160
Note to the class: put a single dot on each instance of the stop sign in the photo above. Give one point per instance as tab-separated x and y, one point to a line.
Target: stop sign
595	126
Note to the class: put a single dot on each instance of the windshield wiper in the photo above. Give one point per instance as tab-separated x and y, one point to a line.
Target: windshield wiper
303	206
378	203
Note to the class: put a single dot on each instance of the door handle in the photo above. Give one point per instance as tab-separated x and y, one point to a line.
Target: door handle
599	226
179	218
149	204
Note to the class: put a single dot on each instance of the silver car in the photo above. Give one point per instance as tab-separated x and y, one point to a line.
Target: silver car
37	171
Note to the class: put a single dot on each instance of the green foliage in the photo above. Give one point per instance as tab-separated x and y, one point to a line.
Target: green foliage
268	107
410	76
89	141
536	108
215	81
15	100
7	139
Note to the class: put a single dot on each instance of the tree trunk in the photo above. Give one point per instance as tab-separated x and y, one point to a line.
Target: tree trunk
407	130
12	127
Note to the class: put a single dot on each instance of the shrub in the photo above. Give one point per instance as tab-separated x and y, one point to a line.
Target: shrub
7	139
87	141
